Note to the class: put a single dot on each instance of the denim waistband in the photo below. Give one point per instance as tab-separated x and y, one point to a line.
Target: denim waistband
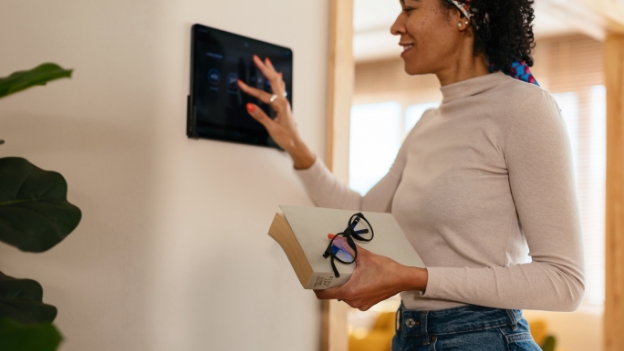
454	320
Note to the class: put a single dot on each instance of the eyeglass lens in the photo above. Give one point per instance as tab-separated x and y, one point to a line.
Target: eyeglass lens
341	251
361	228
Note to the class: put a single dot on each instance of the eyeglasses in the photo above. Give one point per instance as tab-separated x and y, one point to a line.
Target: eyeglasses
359	229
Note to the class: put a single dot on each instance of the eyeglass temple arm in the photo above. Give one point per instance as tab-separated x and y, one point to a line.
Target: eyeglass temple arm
328	251
334	268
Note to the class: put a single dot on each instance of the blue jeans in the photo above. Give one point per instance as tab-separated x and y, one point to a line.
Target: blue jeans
466	328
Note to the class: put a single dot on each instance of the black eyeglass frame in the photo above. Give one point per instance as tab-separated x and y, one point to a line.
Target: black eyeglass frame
349	234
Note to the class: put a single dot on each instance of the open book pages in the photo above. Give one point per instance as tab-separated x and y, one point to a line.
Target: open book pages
302	234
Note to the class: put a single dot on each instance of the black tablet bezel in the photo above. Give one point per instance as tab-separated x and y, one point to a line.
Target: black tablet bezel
258	137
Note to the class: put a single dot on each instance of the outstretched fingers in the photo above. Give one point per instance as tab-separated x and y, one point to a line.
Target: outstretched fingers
257	93
258	114
275	78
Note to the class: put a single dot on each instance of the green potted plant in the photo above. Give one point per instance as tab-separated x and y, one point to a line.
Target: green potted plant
34	216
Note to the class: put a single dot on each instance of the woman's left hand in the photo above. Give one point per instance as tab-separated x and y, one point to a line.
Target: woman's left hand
374	279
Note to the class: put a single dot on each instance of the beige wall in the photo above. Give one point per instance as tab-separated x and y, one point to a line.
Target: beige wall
172	253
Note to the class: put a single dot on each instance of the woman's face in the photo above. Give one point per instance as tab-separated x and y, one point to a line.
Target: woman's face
429	35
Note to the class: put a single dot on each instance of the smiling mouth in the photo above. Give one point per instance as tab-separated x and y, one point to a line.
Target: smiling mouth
406	48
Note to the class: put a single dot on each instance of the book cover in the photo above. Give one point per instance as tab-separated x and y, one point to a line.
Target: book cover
302	233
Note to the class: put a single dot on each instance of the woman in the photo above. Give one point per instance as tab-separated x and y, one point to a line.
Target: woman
483	186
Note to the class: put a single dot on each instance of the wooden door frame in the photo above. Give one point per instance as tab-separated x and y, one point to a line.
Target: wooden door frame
340	80
341	72
614	236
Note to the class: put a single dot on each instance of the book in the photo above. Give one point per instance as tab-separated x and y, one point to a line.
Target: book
302	232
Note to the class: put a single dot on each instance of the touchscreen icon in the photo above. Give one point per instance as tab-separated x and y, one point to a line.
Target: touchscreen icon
232	78
214	76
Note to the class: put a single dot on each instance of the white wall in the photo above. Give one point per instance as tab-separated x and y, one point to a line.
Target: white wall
172	251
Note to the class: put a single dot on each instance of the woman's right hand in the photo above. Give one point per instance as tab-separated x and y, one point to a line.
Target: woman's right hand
282	129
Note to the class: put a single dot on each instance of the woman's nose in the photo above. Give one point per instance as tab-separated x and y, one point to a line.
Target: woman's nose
398	27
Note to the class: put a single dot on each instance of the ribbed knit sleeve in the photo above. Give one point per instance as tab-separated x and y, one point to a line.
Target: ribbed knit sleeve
541	178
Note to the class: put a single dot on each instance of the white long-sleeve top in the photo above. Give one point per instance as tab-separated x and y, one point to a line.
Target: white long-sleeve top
483	188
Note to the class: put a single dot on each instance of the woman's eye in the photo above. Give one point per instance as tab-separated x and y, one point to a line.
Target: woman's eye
408	10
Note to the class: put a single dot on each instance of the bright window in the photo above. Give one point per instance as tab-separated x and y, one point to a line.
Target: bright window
593	201
377	131
375	139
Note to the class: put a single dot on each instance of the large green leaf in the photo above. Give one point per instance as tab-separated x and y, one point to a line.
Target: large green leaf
39	75
18	337
22	300
34	212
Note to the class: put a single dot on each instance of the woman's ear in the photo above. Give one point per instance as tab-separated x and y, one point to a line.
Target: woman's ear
459	19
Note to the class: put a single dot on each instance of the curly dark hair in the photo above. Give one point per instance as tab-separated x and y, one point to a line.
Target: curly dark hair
506	34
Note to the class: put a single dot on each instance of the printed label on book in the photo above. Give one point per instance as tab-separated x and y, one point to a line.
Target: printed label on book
321	281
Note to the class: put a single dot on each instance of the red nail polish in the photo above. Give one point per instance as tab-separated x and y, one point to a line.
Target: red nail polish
250	107
331	236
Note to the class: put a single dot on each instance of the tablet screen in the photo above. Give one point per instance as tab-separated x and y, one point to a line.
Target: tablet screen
219	59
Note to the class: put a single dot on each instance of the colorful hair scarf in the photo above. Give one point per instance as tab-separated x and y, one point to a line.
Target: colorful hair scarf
519	69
